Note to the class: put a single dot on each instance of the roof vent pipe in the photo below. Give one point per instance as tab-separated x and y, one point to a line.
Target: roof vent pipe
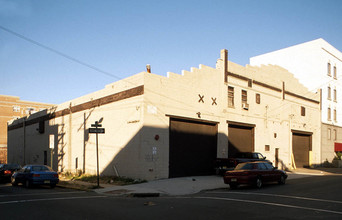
148	67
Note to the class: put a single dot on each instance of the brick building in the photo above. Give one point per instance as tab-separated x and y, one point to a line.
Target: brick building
11	108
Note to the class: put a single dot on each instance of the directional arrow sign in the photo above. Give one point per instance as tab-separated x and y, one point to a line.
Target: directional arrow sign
97	130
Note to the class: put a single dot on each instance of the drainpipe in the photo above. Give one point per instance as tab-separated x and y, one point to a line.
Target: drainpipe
224	57
292	162
24	127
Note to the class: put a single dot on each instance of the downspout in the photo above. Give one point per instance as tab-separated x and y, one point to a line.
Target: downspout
24	127
70	139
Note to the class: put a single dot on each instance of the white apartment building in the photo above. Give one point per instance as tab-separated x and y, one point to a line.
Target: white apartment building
318	66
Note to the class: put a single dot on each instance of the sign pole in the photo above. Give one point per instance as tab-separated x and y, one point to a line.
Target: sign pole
96	128
97	156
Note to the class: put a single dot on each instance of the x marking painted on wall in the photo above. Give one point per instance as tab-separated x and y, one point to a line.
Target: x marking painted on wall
201	98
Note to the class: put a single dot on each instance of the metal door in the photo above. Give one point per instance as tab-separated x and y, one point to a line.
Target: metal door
193	148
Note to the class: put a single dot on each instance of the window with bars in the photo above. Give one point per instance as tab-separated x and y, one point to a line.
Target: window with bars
244	97
230	96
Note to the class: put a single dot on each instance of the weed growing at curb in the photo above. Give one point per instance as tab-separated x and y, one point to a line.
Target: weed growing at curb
114	180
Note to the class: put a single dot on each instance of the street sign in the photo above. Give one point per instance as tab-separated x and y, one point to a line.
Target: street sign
97	130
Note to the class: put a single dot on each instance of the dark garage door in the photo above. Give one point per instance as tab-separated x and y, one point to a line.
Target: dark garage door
193	147
301	145
240	139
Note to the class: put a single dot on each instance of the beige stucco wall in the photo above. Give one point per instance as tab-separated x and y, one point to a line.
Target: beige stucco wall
178	95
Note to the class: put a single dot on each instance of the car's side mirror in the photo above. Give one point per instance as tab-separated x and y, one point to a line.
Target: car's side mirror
264	157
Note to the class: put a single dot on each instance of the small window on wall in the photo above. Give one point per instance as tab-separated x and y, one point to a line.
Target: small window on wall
335	95
329	69
329	114
267	147
335	115
335	73
302	111
30	110
16	108
329	93
257	98
230	96
329	134
335	134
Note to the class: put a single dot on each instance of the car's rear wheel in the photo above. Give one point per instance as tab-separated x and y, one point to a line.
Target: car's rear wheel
282	180
27	184
13	182
258	183
233	185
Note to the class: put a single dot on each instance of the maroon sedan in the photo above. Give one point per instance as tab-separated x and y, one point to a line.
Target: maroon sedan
254	173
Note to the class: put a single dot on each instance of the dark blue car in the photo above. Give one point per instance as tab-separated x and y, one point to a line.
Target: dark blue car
6	171
35	175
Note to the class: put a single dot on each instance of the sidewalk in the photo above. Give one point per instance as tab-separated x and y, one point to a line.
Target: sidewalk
188	185
317	171
174	186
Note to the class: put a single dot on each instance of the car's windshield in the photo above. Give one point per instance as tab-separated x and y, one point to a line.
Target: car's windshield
244	155
244	166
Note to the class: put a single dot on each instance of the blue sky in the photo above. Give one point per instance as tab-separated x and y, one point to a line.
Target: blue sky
121	37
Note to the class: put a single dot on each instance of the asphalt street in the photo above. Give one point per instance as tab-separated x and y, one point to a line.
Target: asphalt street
317	197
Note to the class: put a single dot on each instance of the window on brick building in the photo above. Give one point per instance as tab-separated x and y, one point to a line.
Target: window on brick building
16	108
30	110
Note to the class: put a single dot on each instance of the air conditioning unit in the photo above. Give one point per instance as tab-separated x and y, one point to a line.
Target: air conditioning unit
245	106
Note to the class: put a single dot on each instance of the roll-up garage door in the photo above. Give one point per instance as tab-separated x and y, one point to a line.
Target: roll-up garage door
193	148
301	145
240	139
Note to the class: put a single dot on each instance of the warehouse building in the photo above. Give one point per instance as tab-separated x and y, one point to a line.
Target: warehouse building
164	127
